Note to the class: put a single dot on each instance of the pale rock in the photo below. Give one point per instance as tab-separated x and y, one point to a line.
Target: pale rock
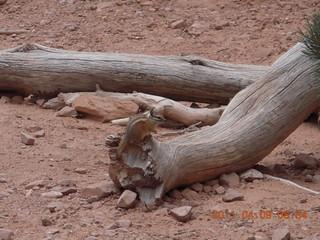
6	234
4	194
230	180
38	134
66	183
198	187
40	102
220	190
281	234
308	178
5	99
93	199
123	223
221	25
112	226
251	175
179	24
101	190
207	189
146	3
47	221
81	170
191	195
53	231
261	53
316	178
161	212
233	195
67	112
54	103
303	160
103	108
3	180
37	183
17	99
127	199
27	139
176	194
182	214
52	194
261	236
55	206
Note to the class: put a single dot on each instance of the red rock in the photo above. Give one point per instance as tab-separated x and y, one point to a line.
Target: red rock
101	190
124	223
47	221
198	187
230	180
182	214
220	189
40	102
207	189
161	212
27	138
55	206
127	199
17	100
191	195
81	170
179	24
176	194
103	108
6	234
250	175
303	160
212	182
37	183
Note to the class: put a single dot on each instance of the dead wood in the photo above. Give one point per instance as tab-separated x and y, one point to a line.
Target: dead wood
253	124
42	71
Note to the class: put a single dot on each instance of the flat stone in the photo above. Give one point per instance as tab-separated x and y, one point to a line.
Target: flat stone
55	206
207	189
179	24
191	195
69	190
47	221
230	180
251	175
4	194
40	133
101	190
37	183
3	180
67	112
161	212
182	214
281	234
27	139
212	182
124	223
127	199
220	190
52	194
198	187
6	234
233	195
112	226
66	183
54	103
81	170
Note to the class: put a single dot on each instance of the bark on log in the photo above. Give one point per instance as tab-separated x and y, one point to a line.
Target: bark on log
38	70
253	124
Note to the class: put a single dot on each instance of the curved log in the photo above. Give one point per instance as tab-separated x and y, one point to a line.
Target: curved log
38	70
253	124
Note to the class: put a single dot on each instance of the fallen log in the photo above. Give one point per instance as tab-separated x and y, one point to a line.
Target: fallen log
42	71
257	119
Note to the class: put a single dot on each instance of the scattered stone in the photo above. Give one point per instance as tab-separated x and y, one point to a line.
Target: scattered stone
179	24
230	180
198	187
124	223
67	112
66	183
53	231
261	53
197	28
17	99
127	199
27	139
308	178
67	191
212	182
37	183
176	194
112	226
103	108
6	234
316	178
261	236
220	190
191	195
40	102
47	221
281	234
4	194
81	170
207	189
101	190
55	206
221	25
5	99
52	194
161	212
303	160
2	180
38	134
233	195
182	214
54	103
251	175
93	199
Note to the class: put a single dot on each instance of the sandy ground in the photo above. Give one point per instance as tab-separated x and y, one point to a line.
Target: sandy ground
249	32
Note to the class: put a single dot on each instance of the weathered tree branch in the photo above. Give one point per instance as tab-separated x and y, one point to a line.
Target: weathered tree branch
38	70
253	124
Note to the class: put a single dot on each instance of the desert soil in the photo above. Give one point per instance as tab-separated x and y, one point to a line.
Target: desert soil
236	31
